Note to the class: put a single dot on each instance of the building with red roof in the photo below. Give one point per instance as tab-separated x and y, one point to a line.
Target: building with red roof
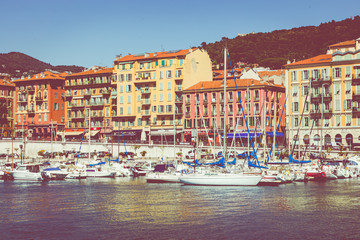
39	101
324	97
89	92
258	102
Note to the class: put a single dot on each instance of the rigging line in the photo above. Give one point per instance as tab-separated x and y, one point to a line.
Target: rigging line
82	138
312	126
256	124
243	112
277	129
127	155
302	115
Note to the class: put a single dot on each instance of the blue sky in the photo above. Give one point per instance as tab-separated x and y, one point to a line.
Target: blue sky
87	33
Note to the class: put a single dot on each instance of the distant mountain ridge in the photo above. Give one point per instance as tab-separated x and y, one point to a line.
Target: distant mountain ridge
17	64
273	49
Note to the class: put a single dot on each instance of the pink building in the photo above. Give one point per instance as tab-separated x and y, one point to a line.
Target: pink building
203	105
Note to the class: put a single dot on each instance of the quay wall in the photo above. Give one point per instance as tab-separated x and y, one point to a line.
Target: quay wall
33	147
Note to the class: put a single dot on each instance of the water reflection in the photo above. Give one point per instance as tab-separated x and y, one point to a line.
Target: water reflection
108	208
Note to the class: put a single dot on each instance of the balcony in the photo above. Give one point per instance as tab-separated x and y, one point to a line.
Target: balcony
145	102
316	113
31	111
87	93
145	80
178	89
39	99
356	79
106	93
31	88
145	91
97	104
321	97
356	96
145	113
79	116
179	100
356	110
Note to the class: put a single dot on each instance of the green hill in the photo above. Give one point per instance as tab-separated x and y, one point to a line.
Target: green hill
16	64
273	49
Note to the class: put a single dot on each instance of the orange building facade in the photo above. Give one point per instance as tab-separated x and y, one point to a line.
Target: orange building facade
40	111
7	92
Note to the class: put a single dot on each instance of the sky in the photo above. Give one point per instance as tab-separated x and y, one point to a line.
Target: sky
88	33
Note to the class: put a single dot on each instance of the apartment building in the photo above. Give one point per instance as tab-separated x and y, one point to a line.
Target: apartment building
88	100
206	106
149	92
324	97
40	111
7	93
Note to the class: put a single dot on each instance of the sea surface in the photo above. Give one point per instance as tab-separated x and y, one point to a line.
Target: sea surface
129	208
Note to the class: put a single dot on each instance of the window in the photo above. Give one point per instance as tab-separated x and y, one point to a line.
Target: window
128	99
337	121
139	122
305	75
39	117
161	97
129	110
121	110
294	76
161	108
296	106
306	121
178	73
169	74
337	72
138	109
129	77
161	75
168	108
169	97
121	78
55	95
138	98
169	86
121	99
128	88
296	122
161	86
45	117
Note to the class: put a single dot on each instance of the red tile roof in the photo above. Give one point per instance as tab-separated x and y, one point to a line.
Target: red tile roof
343	44
241	83
271	73
47	76
155	55
325	58
92	72
6	83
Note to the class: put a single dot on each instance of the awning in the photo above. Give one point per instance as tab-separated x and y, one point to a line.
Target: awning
164	133
242	135
93	133
278	134
126	133
77	133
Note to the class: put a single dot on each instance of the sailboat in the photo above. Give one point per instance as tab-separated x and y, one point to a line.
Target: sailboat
222	179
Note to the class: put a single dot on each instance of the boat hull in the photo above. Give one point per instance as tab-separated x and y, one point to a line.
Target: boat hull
168	178
27	176
221	179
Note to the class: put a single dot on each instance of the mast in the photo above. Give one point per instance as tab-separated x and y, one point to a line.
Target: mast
274	131
89	132
225	97
264	122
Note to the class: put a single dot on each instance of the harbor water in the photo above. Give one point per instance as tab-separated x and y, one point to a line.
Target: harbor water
130	208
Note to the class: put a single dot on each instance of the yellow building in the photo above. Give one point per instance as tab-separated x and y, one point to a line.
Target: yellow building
149	92
324	97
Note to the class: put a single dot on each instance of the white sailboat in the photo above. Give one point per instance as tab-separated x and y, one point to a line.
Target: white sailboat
28	172
222	179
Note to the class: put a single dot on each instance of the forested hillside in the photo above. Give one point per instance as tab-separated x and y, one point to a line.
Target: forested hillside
273	49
